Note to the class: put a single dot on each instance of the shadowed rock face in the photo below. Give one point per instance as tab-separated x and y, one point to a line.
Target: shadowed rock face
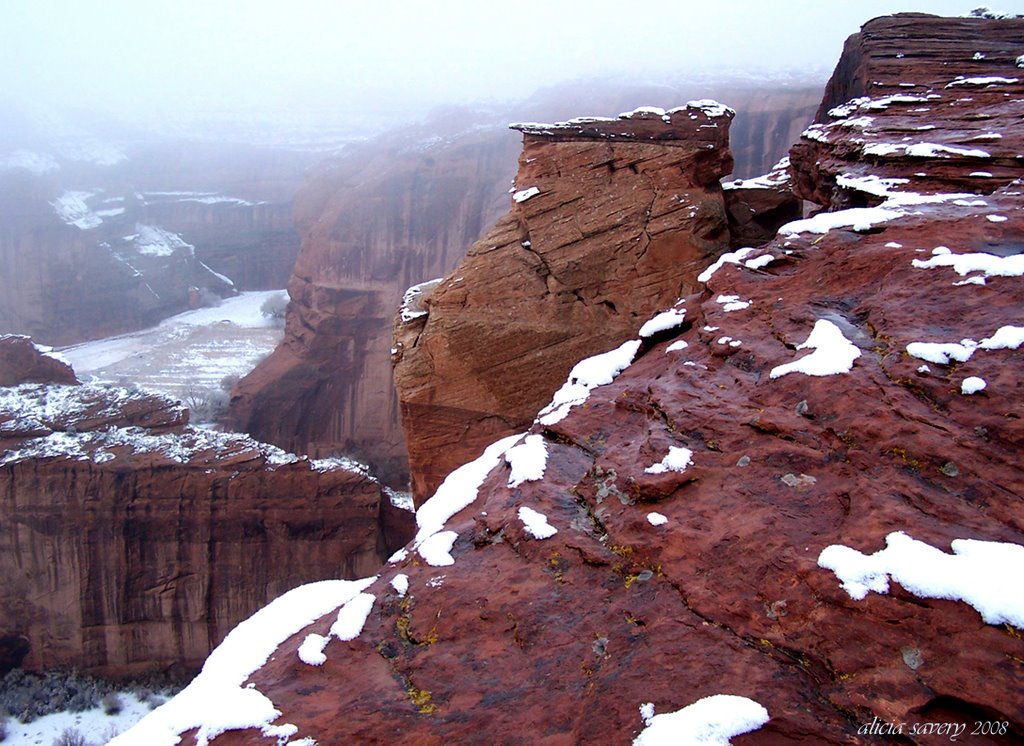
560	640
130	542
403	210
612	220
22	362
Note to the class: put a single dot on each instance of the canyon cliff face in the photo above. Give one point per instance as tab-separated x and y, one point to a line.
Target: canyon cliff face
610	219
403	210
91	249
800	486
131	542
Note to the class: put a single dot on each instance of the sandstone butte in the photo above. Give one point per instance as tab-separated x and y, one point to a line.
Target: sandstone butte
402	210
131	542
899	300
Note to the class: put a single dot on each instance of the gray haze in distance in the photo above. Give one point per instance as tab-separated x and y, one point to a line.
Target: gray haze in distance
151	59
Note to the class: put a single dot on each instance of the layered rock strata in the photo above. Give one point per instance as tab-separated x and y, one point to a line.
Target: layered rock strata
403	209
131	542
612	218
800	485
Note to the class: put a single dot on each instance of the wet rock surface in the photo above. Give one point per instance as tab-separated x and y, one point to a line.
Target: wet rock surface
703	577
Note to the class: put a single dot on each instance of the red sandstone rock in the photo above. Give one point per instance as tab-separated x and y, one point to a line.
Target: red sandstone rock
560	640
400	211
130	542
611	221
23	362
758	207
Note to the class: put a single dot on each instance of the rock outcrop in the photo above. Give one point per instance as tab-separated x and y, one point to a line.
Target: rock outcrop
400	211
131	542
803	489
612	220
21	361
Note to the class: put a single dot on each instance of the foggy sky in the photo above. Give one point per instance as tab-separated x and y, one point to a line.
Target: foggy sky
153	58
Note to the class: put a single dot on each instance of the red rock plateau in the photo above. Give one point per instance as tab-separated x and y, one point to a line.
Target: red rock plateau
131	542
403	210
824	390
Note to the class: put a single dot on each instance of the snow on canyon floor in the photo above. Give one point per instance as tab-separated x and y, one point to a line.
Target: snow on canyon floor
193	349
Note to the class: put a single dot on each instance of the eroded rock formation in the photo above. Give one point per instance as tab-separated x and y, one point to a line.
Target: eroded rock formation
131	542
854	378
611	221
401	211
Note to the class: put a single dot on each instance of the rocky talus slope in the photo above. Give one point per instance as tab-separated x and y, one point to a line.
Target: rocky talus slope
131	542
788	510
402	210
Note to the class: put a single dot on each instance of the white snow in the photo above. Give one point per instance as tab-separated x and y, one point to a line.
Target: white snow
458	490
1005	338
942	352
730	257
656	519
527	459
833	353
352	617
709	106
759	261
963	264
923	150
983	81
996	218
863	218
412	296
876	185
401	584
677	459
588	374
972	385
536	524
525	194
642	110
732	303
436	549
987	575
217	700
311	651
151	240
680	344
90	723
710	721
71	207
663	321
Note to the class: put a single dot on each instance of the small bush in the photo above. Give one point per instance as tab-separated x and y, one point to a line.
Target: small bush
3	727
70	737
111	703
275	307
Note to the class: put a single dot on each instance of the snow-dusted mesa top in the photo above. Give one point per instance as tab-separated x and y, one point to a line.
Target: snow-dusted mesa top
709	106
643	122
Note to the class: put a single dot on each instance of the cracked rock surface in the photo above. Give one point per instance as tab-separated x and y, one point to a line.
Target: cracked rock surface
611	221
702	577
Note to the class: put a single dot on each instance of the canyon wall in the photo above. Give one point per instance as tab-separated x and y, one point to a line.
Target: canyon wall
403	210
131	542
800	487
92	249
